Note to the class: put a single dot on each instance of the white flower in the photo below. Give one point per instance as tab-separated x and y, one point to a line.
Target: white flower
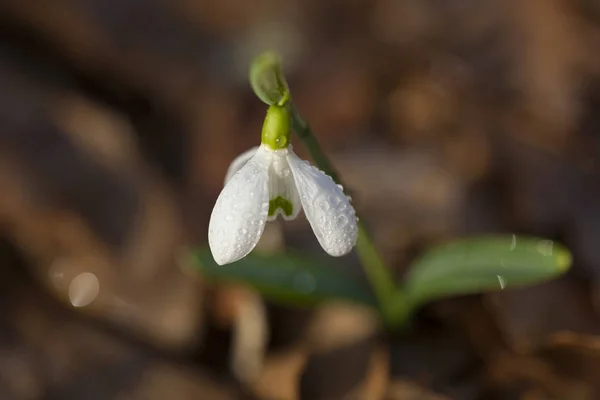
263	183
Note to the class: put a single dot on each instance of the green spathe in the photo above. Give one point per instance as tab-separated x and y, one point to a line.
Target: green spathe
267	80
276	128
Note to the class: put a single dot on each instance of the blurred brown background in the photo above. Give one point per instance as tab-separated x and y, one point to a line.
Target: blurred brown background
118	119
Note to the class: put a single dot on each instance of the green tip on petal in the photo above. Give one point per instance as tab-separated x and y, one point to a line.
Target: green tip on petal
276	128
279	202
267	80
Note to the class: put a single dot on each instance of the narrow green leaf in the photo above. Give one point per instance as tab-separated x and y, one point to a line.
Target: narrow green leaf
287	278
483	264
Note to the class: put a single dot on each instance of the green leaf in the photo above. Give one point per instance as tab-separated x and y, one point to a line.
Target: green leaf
287	278
483	264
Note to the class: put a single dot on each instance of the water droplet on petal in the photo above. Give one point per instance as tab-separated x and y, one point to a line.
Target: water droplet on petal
325	206
342	221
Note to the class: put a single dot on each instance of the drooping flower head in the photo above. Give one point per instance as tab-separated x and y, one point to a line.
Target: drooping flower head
271	180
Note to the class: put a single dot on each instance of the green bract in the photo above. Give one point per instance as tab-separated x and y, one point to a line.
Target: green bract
267	80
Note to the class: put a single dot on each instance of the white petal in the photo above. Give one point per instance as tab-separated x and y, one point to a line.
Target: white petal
281	184
327	208
238	218
239	162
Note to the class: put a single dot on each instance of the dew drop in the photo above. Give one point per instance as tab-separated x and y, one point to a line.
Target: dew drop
325	206
544	247
501	281
342	221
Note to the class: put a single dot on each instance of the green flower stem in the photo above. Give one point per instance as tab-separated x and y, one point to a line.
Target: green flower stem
390	299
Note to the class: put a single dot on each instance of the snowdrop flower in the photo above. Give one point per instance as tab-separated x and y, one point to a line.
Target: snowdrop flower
271	180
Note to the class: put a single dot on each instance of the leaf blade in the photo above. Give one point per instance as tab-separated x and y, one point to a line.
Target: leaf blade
467	266
288	278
